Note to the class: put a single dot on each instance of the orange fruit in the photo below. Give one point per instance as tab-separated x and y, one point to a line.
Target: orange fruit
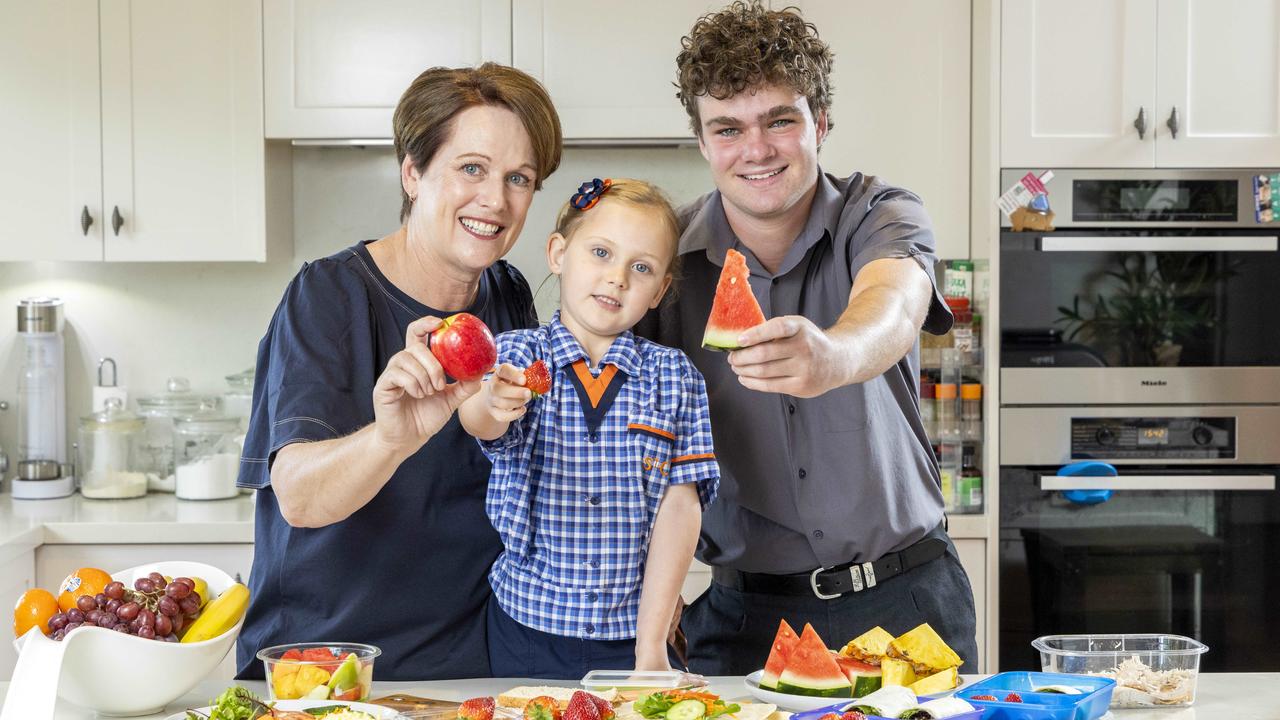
34	608
85	581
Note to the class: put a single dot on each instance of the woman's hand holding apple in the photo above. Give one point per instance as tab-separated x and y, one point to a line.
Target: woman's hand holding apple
412	399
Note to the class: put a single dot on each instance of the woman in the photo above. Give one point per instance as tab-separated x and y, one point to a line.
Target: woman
370	522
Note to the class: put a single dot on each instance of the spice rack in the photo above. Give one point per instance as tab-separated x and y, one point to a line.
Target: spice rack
951	370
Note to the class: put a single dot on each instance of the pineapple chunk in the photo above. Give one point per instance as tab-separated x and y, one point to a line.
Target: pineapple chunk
896	672
926	652
940	681
870	646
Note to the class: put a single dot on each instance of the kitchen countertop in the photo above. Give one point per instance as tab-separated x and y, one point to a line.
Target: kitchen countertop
159	517
1236	696
153	518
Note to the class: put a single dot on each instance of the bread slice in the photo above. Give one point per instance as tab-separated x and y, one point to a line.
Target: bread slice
518	697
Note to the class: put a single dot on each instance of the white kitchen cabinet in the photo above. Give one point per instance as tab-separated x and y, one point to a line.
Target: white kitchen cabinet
1078	78
17	575
901	104
336	69
147	119
1074	77
1220	70
611	77
973	557
50	131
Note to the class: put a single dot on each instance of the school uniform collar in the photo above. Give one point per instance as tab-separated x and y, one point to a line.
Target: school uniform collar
624	353
708	230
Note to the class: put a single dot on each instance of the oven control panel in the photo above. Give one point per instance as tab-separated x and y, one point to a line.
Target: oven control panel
1153	438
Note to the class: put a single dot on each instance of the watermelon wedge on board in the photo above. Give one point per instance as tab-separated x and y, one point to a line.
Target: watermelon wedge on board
811	669
735	309
783	643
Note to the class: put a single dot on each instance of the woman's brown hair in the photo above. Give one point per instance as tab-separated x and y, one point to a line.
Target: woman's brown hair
424	117
747	45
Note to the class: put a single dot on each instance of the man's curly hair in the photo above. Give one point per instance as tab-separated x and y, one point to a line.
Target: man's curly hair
747	45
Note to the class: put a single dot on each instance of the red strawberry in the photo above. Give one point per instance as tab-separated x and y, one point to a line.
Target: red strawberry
604	706
581	707
988	698
853	715
1013	697
480	708
537	378
830	716
541	708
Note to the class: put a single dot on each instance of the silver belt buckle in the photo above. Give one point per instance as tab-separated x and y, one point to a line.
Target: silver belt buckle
870	573
813	583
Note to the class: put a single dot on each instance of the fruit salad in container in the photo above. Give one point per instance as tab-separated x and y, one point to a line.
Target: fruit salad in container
319	671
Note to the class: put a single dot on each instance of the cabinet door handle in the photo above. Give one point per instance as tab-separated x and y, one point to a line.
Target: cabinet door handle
116	220
85	220
1141	123
1172	123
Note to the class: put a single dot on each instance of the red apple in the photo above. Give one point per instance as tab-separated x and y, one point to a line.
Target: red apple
464	346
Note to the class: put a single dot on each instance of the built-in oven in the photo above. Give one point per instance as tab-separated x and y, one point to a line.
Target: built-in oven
1140	416
1156	286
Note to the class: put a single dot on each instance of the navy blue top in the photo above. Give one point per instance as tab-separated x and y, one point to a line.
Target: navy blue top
406	572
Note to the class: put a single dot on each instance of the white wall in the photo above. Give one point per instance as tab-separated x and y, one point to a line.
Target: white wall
204	320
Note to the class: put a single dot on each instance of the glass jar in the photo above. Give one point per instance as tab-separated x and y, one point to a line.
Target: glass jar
159	412
237	400
206	455
108	460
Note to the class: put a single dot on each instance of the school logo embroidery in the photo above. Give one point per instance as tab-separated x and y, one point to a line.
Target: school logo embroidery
651	463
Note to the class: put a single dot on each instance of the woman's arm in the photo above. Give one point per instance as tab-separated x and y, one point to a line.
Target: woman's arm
675	536
320	483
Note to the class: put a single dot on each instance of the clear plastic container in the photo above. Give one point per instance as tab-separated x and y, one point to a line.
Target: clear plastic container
319	671
108	464
1149	670
237	400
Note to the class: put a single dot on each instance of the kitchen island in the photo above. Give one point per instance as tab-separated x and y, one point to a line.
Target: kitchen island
1220	696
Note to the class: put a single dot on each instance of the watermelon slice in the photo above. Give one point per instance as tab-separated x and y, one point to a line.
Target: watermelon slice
865	677
735	309
783	643
811	669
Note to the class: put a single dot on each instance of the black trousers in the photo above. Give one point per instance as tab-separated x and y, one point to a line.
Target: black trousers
730	632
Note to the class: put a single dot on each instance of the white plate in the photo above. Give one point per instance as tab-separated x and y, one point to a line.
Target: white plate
801	703
377	711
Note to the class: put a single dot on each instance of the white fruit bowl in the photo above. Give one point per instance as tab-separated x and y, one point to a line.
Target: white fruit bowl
158	673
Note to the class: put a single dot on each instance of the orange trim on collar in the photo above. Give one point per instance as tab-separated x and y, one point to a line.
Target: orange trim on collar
595	386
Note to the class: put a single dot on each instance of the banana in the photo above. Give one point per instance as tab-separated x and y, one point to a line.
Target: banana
219	615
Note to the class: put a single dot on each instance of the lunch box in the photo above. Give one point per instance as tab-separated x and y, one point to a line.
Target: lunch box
1090	704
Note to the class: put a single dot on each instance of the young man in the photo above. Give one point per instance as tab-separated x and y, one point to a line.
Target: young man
830	509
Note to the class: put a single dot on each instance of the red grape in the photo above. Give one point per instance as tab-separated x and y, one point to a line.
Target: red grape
58	621
186	581
86	603
147	617
128	611
144	585
148	632
177	590
164	625
168	606
114	590
74	615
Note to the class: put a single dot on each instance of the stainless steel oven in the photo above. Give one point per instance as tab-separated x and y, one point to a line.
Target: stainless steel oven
1157	286
1140	416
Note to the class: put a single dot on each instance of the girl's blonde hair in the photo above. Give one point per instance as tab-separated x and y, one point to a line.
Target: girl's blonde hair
636	193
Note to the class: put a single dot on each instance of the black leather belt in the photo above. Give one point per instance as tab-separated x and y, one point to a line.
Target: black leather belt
831	583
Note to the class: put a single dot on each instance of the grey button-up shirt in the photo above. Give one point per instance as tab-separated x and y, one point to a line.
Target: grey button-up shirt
846	476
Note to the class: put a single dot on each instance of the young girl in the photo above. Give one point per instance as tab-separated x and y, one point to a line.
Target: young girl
598	487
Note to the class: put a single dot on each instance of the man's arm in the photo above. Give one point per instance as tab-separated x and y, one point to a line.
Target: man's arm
880	324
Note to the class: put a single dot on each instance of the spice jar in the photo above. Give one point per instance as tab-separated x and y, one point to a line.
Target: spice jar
206	455
159	412
108	461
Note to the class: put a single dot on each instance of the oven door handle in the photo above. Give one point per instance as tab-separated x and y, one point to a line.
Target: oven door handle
1159	243
1159	482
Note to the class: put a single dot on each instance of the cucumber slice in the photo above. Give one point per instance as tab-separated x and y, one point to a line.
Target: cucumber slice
687	710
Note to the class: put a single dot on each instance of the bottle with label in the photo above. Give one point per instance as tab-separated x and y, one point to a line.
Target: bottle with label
929	408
